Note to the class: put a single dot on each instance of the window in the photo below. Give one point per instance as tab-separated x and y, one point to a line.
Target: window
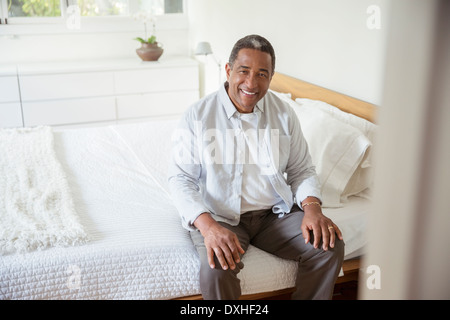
14	9
30	8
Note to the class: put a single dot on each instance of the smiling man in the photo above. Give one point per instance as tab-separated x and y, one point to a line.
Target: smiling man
267	194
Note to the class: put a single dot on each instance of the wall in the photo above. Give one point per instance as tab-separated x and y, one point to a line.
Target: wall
107	40
325	42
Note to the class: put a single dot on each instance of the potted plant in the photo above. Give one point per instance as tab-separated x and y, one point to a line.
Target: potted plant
150	49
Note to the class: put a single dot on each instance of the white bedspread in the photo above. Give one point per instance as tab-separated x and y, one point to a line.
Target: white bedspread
138	249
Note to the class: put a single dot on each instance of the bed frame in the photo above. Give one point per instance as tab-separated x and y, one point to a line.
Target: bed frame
301	89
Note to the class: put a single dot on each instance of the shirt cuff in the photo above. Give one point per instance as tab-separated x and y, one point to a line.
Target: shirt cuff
308	188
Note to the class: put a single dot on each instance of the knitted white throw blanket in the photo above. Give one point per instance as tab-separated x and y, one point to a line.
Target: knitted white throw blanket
36	207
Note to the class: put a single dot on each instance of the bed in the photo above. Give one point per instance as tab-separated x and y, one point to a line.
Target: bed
120	237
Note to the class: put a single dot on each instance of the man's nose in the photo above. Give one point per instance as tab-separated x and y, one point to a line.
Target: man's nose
251	81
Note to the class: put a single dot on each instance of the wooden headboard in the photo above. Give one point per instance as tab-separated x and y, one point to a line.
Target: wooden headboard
301	89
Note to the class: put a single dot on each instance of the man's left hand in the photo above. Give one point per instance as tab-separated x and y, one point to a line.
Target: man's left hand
322	227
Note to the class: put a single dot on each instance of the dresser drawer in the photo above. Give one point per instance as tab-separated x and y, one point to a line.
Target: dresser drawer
156	80
76	92
64	86
9	89
155	104
69	111
10	114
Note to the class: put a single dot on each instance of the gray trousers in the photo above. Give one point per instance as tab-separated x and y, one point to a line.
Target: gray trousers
317	269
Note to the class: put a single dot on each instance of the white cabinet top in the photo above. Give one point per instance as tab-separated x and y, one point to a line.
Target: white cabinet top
101	65
7	70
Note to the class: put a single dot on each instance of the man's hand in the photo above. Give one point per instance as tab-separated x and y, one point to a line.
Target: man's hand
219	241
321	226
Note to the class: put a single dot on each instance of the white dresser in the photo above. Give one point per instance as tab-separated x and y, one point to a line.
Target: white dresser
10	109
91	91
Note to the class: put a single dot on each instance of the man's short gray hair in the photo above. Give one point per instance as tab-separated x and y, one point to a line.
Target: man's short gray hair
252	42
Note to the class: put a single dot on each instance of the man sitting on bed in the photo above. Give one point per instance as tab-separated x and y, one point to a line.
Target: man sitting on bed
241	174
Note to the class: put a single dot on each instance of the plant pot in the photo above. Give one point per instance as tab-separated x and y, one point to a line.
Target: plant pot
150	51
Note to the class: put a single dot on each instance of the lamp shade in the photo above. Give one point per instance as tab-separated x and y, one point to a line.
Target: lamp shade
203	48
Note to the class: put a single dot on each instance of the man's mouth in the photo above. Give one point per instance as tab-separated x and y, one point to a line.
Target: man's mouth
248	93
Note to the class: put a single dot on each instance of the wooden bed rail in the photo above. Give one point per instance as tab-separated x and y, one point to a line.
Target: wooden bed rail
350	269
301	89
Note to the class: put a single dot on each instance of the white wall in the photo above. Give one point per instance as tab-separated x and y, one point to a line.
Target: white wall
325	42
107	40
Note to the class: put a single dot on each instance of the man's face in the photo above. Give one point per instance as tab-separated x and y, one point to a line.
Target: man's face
249	79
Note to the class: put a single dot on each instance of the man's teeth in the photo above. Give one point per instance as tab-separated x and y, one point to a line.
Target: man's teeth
246	92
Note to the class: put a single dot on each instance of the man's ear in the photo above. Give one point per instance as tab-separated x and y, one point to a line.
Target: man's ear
228	70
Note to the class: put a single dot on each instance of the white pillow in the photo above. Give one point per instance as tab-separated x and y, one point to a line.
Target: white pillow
367	127
362	180
337	149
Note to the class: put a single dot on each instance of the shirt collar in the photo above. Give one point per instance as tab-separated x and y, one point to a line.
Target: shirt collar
228	105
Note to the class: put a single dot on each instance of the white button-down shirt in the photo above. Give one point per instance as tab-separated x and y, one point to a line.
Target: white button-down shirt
212	152
257	191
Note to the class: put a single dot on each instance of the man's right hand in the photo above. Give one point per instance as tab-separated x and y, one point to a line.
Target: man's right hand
219	241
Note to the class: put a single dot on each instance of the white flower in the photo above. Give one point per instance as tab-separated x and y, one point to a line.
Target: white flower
145	17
